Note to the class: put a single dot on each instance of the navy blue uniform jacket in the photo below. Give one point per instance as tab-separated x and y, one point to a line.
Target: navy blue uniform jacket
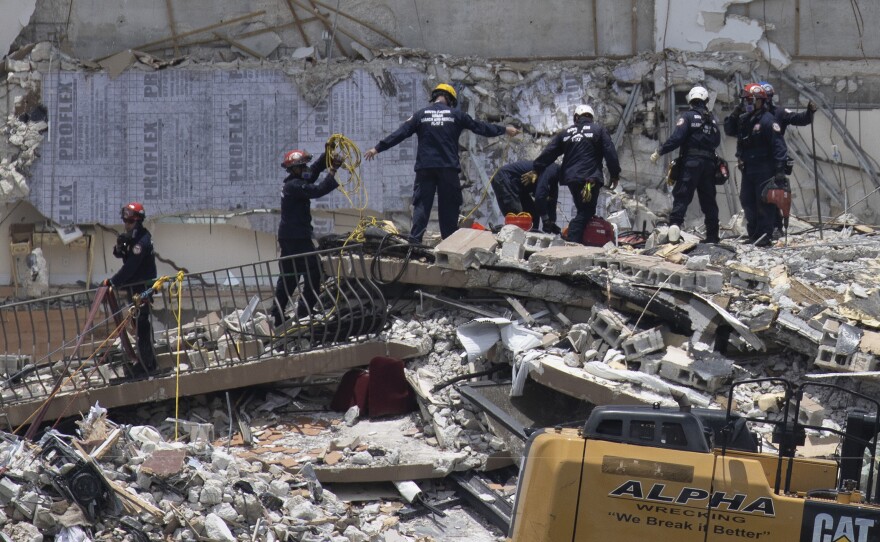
138	261
697	129
296	203
438	127
584	146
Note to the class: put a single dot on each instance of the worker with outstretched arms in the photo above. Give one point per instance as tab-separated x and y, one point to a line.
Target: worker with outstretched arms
438	127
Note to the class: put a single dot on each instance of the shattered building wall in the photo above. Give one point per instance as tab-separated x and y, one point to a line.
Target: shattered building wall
83	137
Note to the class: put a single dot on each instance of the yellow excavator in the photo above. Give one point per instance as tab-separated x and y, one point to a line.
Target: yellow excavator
642	473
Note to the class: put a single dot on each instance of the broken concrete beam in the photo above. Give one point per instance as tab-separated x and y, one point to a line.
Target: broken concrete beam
643	343
785	319
608	325
565	259
466	248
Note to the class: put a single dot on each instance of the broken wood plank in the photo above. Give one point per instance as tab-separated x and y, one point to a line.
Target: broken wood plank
330	28
172	26
108	443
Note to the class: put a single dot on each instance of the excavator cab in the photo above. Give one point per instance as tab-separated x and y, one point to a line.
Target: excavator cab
633	472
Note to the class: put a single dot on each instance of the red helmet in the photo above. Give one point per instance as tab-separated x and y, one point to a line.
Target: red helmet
133	211
296	157
755	92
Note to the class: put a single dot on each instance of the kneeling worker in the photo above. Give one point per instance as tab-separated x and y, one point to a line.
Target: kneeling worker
518	189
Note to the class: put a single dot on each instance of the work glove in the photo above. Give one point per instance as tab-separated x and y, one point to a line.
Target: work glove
529	178
655	156
336	161
737	111
587	192
612	184
812	107
548	226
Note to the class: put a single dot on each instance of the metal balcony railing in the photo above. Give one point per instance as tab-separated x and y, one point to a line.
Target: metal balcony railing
225	318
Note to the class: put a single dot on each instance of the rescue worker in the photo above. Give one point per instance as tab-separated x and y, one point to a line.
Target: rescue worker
135	247
583	147
696	136
438	127
295	229
785	118
518	189
763	157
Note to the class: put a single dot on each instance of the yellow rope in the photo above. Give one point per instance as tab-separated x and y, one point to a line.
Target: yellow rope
178	287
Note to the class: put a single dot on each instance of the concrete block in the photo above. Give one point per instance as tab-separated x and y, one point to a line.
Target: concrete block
708	282
512	251
565	260
708	375
811	412
511	233
771	402
239	349
644	365
9	490
789	321
830	359
672	274
536	242
466	248
608	325
641	344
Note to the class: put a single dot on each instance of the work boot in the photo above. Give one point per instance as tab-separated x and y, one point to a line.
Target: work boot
711	236
674	233
764	241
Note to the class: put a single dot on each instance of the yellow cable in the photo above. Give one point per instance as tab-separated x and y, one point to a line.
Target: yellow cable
178	286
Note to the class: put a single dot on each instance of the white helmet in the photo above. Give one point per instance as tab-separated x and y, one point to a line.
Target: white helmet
698	93
582	110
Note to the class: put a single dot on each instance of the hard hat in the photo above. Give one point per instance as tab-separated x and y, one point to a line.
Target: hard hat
132	211
582	110
448	90
755	91
768	88
698	93
296	157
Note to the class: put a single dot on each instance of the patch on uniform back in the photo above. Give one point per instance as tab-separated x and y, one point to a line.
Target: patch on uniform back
680	121
136	249
776	127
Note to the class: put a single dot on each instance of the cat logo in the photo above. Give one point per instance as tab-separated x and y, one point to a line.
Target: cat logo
827	528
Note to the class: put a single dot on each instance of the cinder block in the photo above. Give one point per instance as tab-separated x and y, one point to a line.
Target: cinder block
466	248
709	282
707	375
644	365
643	343
675	275
536	242
511	233
512	251
9	490
608	325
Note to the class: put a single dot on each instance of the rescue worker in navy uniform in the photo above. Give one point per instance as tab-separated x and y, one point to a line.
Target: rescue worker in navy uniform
583	147
785	118
438	128
697	136
519	190
295	229
762	155
138	271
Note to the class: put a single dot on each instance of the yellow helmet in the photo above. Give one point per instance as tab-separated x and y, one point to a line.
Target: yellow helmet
443	87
